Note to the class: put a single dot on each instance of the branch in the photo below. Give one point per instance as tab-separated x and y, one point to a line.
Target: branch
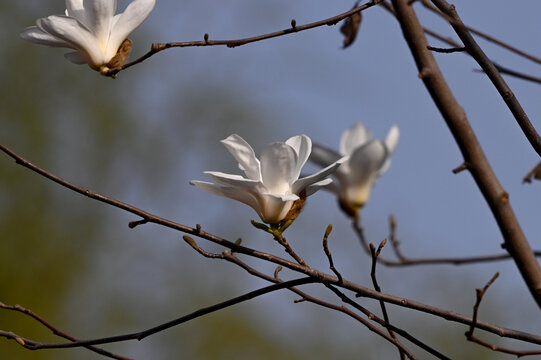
492	72
455	44
478	165
479	293
55	331
237	248
230	257
157	47
403	260
33	345
486	36
401	332
375	253
328	253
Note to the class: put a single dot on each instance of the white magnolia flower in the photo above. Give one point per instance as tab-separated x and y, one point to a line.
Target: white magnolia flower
272	186
369	159
91	28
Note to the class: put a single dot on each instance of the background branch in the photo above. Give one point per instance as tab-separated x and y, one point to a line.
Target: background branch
478	165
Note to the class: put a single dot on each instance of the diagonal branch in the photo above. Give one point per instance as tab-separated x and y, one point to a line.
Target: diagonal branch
56	331
492	72
34	345
496	197
237	248
454	44
157	47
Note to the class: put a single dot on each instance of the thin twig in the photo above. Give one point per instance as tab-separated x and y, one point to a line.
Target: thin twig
305	297
479	294
375	253
157	47
34	345
328	253
453	43
399	331
282	241
56	331
488	67
407	261
486	36
446	50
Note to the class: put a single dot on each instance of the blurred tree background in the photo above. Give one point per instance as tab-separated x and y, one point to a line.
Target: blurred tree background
142	137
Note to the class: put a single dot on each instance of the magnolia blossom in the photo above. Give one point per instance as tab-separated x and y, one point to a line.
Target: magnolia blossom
369	159
272	186
91	28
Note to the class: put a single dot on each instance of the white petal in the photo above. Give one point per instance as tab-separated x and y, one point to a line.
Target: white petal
236	181
244	154
77	35
303	183
310	189
323	156
75	9
392	139
352	138
133	16
278	166
231	193
98	19
37	36
76	57
367	161
302	146
275	208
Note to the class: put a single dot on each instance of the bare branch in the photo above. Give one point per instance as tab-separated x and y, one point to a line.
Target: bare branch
311	272
407	261
479	293
492	72
157	47
495	196
55	331
375	253
453	43
535	173
33	345
328	253
484	35
399	331
446	51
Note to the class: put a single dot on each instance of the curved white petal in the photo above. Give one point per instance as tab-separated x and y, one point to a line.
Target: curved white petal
274	208
245	156
37	36
76	34
136	12
367	161
352	138
303	147
303	183
323	156
76	57
236	181
278	166
310	189
98	19
392	138
231	193
75	9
